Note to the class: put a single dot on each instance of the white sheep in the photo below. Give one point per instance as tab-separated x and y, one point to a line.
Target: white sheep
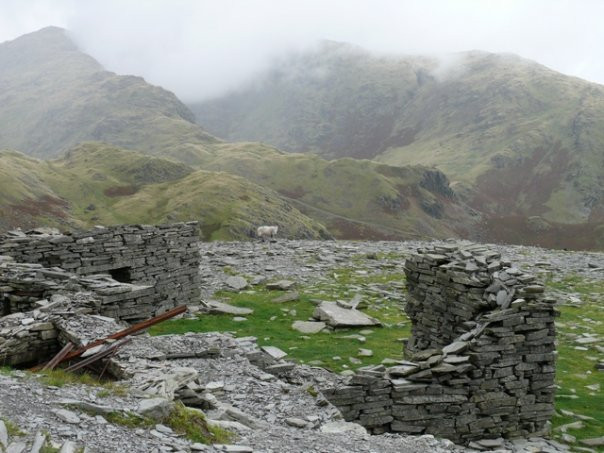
264	232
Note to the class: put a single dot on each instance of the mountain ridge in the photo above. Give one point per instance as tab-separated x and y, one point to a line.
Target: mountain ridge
515	138
54	96
60	99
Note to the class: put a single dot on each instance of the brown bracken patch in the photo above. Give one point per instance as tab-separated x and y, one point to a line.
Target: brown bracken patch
519	230
499	190
120	191
45	205
352	230
27	213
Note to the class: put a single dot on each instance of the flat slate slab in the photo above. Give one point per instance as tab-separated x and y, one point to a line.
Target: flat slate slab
219	307
308	326
274	352
282	285
237	283
336	316
289	296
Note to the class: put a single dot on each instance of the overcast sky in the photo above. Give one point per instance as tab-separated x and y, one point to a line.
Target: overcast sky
200	48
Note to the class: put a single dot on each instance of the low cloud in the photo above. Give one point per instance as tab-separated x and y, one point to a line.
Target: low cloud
201	48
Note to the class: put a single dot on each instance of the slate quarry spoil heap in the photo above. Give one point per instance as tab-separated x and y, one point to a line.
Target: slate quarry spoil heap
481	358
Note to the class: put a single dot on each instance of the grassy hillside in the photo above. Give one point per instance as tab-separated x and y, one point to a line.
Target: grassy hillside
515	137
353	198
26	199
100	184
52	97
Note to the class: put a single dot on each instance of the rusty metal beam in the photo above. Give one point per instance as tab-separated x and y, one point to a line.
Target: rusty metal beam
60	356
110	350
121	334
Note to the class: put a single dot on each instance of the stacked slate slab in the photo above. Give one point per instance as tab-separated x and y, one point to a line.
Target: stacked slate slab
481	358
161	261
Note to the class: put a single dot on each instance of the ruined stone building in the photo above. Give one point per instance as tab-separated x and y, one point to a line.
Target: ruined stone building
128	272
481	359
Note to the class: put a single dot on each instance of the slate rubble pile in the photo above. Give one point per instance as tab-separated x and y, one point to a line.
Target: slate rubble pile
161	261
481	357
37	300
267	413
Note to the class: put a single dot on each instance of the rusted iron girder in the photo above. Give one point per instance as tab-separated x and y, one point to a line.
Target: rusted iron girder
99	355
129	331
122	333
57	358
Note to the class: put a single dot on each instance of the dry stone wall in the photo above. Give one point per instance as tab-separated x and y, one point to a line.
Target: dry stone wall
481	359
160	263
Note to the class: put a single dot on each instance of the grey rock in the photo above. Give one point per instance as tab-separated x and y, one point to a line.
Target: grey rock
16	447
236	282
296	422
155	408
274	352
219	307
308	327
282	285
337	316
3	435
593	442
289	296
39	441
68	447
67	416
455	347
234	448
339	427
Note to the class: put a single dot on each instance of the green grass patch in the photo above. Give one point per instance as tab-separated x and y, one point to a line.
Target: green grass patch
129	419
6	370
271	324
575	366
182	420
61	378
11	428
193	425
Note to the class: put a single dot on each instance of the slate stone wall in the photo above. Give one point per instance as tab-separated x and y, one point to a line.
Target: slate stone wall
481	359
160	263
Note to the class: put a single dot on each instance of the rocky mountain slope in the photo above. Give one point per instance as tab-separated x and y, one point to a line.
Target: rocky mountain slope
518	139
195	175
52	96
